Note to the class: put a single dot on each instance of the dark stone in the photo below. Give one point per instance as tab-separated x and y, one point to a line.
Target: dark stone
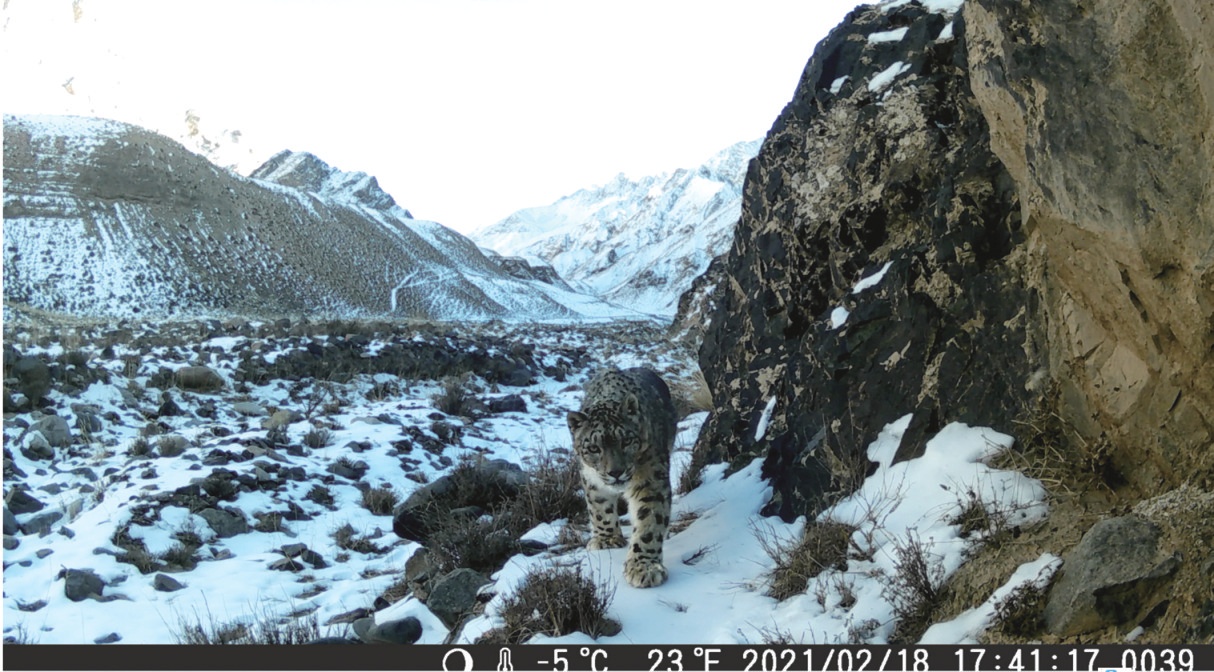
11	543
225	523
80	584
511	403
56	430
111	638
454	594
168	408
293	550
351	470
10	522
33	377
41	524
43	552
166	584
286	565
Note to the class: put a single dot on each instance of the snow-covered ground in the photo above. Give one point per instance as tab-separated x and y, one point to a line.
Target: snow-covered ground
718	585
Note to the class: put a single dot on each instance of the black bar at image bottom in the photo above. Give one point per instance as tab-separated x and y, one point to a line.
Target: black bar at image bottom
658	658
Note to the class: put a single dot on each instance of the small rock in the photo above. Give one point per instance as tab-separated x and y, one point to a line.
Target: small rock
313	558
198	379
43	552
282	418
11	542
293	550
454	594
249	409
166	584
10	522
37	447
108	639
351	470
286	565
362	626
80	584
359	446
225	523
403	631
40	525
55	429
511	403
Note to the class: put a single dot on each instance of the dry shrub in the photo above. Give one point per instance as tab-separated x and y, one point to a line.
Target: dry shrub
452	398
1021	615
318	437
267	630
555	601
821	546
380	501
553	490
346	538
915	591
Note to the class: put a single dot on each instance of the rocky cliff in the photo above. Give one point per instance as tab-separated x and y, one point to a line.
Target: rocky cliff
998	214
104	218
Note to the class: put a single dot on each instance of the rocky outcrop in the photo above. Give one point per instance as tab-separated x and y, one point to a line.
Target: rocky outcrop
1111	149
882	161
1037	238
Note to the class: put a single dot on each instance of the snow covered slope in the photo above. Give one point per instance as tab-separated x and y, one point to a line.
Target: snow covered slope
635	242
105	218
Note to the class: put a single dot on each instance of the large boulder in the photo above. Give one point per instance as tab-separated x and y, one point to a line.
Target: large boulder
81	584
1110	578
880	166
33	377
54	429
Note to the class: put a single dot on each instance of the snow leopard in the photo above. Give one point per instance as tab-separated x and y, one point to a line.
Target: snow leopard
623	436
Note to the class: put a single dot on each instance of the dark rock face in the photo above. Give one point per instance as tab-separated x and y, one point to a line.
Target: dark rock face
1109	578
845	184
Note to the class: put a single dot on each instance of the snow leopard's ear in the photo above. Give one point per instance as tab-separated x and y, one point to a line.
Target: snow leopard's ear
631	405
576	420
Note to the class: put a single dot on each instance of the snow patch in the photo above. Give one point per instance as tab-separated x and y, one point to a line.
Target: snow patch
895	35
886	77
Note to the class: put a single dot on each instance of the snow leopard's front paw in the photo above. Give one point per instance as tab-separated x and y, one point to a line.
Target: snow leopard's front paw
644	572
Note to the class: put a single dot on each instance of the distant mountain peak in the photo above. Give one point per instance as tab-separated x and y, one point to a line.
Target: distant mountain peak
307	172
634	241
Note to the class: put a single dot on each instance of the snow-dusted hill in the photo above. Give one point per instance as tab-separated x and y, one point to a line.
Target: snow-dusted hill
635	242
105	218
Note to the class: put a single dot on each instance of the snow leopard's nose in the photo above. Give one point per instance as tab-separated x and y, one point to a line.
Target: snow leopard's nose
616	473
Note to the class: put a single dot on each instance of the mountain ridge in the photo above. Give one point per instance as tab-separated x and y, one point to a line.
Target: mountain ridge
106	218
638	242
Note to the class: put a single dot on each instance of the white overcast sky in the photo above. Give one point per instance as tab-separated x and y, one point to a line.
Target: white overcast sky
466	110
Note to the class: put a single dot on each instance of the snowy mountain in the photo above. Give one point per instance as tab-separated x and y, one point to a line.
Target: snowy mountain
635	242
105	218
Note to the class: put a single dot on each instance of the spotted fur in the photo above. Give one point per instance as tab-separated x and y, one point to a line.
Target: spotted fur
623	435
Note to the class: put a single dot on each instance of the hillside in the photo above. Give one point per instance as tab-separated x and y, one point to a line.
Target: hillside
635	242
104	218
